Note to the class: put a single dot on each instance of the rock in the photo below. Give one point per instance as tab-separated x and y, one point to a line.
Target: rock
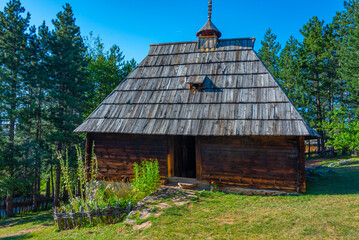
140	205
142	226
331	165
181	203
191	196
177	199
187	185
132	213
145	213
163	205
330	171
157	214
130	221
343	162
251	192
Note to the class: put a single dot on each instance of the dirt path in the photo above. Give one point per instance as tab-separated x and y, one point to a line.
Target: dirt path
25	231
313	162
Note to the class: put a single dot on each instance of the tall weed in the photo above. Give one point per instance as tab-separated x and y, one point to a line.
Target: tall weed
146	178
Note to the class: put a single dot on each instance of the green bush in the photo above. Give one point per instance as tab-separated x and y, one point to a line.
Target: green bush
94	193
147	177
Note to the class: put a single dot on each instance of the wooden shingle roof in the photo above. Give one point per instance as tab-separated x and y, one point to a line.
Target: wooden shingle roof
238	97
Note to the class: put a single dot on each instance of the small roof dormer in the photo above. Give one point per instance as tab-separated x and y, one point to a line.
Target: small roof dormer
208	35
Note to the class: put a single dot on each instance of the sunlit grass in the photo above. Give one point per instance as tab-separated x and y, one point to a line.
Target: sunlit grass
329	210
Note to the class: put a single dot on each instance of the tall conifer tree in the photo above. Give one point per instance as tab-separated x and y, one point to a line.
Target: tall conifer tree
314	68
69	89
269	52
13	40
106	70
289	73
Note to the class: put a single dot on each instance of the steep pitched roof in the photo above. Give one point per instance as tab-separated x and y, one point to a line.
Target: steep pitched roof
239	97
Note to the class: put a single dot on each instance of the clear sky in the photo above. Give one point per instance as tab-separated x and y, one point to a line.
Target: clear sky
134	25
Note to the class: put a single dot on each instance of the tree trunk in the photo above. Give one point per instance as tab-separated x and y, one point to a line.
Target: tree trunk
34	193
57	186
52	182
9	205
48	188
65	194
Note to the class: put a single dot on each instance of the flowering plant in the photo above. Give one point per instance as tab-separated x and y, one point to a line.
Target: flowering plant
214	184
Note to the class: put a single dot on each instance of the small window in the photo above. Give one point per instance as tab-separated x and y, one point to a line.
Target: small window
195	83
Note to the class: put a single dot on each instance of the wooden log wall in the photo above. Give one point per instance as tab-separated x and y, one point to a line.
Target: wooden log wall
116	153
254	162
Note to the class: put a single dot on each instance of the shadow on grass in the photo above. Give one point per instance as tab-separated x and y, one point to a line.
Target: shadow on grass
41	218
345	180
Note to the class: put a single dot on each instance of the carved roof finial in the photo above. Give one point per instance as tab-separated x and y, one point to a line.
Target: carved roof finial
209	29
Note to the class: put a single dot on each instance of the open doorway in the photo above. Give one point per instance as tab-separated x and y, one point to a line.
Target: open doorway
185	156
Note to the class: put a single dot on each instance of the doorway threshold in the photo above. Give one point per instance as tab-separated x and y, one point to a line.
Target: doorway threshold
176	181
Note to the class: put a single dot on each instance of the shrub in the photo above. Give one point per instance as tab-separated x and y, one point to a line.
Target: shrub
147	177
94	193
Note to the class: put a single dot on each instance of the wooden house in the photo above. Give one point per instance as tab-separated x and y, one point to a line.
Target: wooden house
206	109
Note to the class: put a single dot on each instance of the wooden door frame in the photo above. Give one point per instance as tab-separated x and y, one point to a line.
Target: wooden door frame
171	152
170	156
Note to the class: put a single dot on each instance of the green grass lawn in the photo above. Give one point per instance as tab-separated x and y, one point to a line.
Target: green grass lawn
329	210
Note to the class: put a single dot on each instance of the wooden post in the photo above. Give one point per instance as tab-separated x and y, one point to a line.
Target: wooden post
198	159
57	219
89	214
73	218
170	156
81	211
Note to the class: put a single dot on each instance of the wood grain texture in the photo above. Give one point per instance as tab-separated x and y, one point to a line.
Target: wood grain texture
301	170
253	162
116	153
238	97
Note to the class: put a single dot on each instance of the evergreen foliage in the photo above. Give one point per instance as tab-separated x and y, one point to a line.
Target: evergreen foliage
13	46
269	52
343	127
49	84
107	69
289	76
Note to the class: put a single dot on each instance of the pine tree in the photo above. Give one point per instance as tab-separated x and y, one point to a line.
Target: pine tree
289	73
68	87
350	59
269	52
13	40
128	67
343	127
106	69
31	120
316	62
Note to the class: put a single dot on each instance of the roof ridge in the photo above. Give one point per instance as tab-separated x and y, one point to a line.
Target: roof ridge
220	40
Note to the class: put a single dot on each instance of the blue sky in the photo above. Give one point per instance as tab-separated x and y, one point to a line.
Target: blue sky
134	25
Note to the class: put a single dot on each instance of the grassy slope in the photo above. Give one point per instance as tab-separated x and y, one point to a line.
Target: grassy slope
330	209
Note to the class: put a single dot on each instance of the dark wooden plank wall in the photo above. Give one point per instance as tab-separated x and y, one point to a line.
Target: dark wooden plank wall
116	153
253	162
